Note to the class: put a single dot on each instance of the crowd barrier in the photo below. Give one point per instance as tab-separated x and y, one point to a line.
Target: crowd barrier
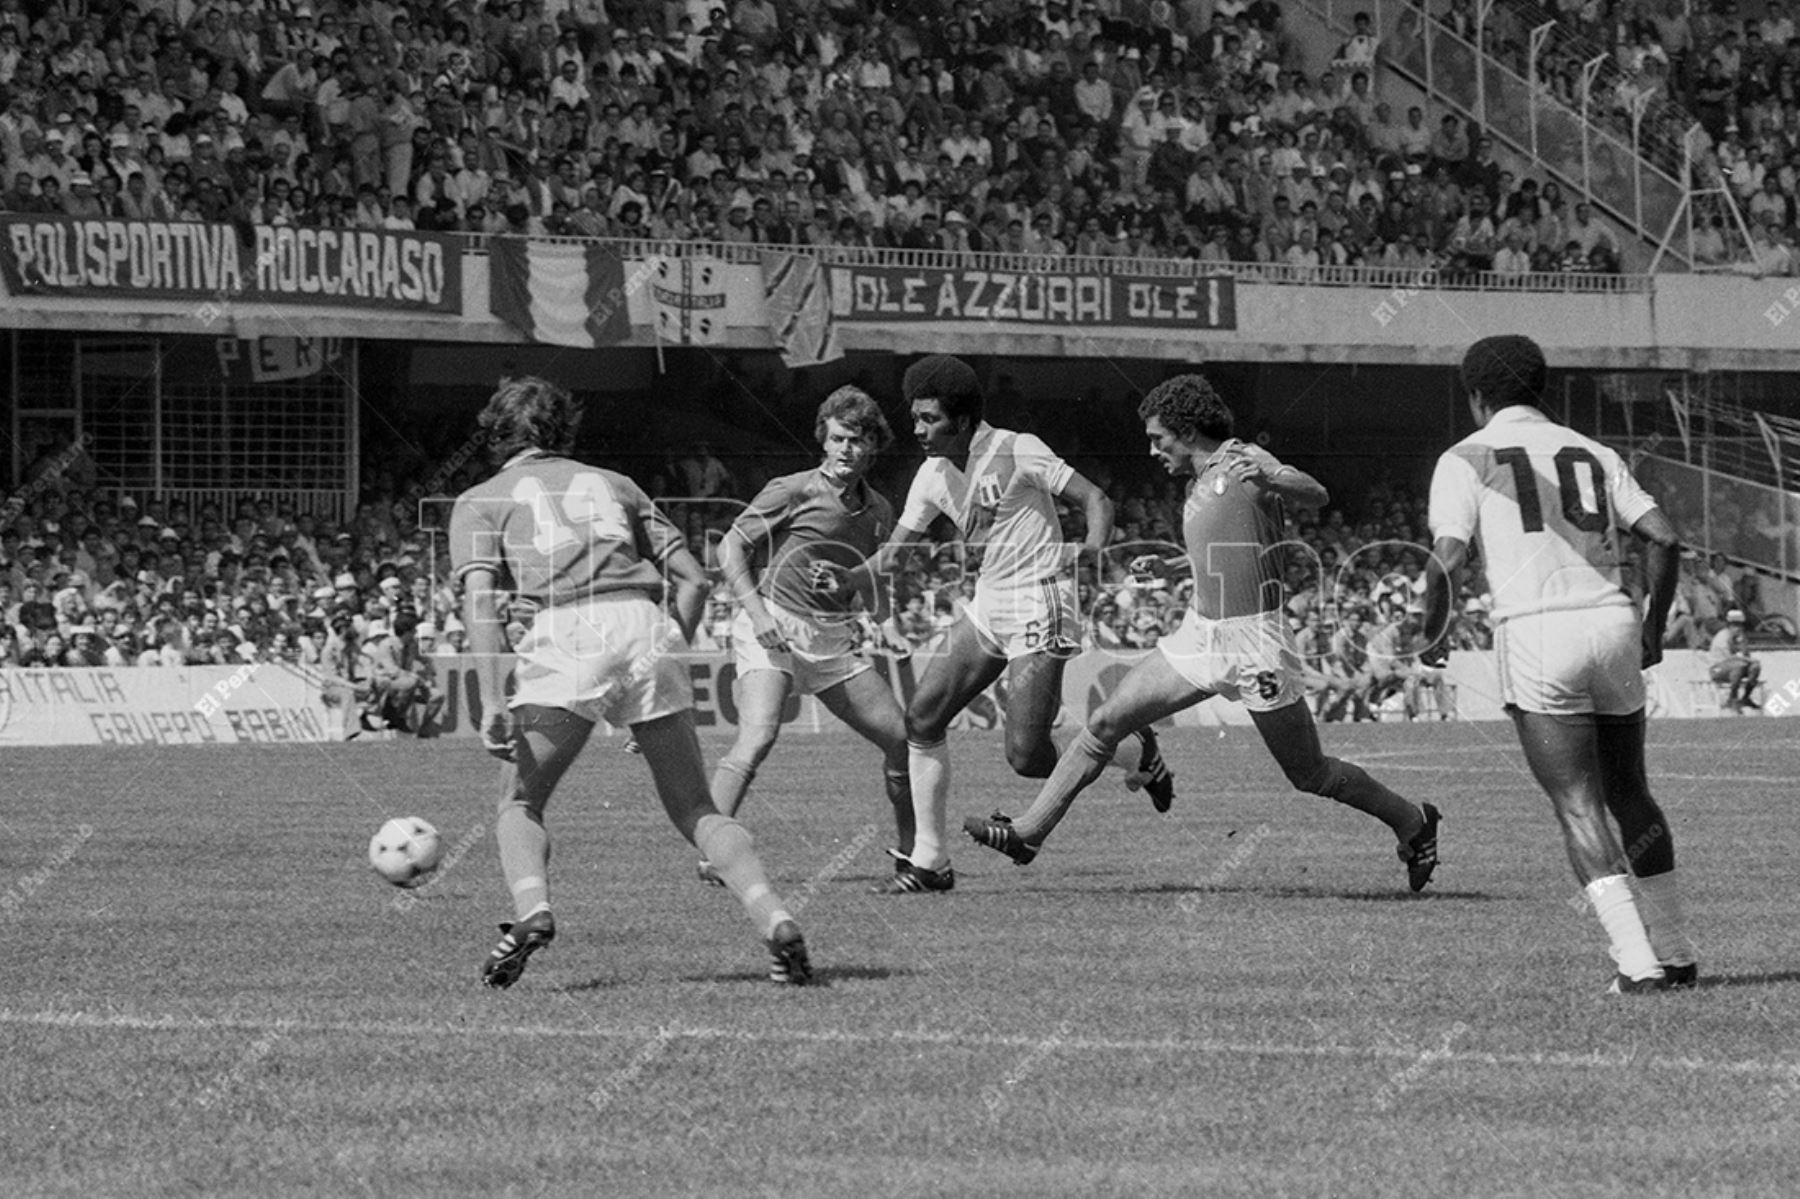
279	703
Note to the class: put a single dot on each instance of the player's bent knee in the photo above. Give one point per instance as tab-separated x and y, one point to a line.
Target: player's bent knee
1323	777
1033	760
923	729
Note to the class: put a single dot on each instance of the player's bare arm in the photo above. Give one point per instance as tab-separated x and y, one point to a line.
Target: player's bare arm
1662	568
1447	557
1097	511
688	578
736	553
486	640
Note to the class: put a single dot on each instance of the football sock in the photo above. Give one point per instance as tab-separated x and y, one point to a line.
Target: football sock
899	793
929	768
730	783
524	857
1079	766
1618	912
1350	784
1664	920
726	844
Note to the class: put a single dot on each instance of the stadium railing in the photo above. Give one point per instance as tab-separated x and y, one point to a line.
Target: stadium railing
1634	177
1438	277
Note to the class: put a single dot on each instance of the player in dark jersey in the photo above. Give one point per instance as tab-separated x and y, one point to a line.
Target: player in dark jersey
1234	641
785	559
587	550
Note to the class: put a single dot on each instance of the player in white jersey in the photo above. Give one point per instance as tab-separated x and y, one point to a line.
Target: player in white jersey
999	489
1549	507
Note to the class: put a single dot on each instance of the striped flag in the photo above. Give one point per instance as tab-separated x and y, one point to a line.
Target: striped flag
563	293
799	306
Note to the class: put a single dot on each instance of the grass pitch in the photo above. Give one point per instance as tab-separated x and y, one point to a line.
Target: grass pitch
208	992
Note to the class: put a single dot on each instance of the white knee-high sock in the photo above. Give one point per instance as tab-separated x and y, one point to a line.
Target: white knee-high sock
929	768
1611	897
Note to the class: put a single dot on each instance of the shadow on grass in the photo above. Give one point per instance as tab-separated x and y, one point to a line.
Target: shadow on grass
1291	892
1751	980
823	976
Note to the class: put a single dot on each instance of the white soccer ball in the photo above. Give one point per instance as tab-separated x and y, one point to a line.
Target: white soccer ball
405	851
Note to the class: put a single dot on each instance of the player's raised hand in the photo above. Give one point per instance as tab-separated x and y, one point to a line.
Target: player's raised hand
1243	467
497	733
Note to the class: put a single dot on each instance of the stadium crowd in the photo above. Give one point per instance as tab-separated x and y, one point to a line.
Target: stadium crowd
1123	128
1734	69
89	577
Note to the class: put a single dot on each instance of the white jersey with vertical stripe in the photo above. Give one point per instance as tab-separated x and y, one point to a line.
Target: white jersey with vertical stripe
1547	506
1002	501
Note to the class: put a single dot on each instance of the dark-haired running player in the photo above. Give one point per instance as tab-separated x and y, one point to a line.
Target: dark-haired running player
1234	641
999	488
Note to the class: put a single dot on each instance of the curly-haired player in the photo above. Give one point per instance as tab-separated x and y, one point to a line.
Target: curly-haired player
1234	641
999	488
589	551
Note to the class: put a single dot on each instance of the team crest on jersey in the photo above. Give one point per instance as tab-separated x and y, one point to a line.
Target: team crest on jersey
987	491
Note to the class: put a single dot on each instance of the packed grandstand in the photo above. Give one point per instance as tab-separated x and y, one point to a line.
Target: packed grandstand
1118	129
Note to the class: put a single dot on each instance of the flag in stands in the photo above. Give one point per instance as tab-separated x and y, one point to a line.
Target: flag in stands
688	296
561	293
799	306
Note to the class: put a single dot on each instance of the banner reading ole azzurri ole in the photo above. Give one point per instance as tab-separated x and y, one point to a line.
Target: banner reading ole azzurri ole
190	260
890	293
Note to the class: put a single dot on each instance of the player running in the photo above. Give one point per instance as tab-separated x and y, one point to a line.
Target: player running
784	558
589	551
1234	641
1546	505
999	489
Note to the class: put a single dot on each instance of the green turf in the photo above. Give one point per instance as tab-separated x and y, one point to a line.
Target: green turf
207	992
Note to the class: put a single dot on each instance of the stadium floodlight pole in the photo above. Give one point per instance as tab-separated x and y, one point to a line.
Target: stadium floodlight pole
1538	37
1482	9
1589	70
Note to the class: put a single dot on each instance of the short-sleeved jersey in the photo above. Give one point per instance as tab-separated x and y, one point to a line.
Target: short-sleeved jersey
802	520
1546	504
1003	503
556	530
1233	533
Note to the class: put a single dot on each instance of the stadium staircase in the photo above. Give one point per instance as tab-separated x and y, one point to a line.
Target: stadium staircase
1639	194
1724	468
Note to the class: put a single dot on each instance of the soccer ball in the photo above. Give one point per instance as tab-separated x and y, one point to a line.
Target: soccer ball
405	851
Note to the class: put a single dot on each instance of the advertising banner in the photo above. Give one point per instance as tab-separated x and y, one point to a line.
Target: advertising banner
890	294
144	705
387	269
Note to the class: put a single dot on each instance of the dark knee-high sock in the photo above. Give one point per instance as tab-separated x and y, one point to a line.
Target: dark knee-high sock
899	793
1079	766
1351	785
